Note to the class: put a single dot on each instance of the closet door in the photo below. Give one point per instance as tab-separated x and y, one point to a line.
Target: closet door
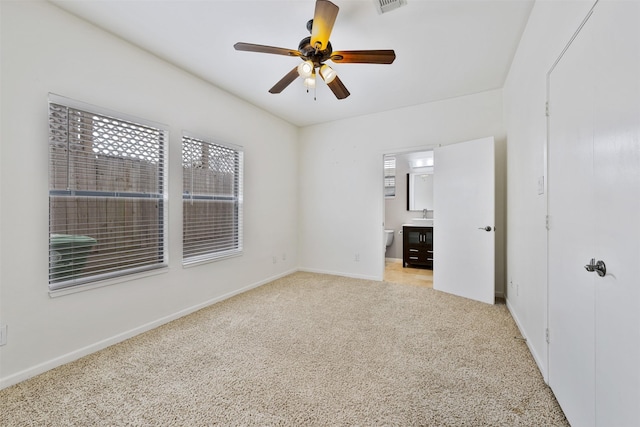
594	208
616	152
572	219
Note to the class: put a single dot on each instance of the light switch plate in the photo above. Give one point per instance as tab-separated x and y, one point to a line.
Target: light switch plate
3	334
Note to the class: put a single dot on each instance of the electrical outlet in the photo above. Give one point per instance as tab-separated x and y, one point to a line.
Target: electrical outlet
3	334
356	258
275	259
284	256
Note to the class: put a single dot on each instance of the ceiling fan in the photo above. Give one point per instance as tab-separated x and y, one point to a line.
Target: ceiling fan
316	49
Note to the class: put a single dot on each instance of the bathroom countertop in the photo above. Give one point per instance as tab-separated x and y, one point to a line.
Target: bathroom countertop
418	225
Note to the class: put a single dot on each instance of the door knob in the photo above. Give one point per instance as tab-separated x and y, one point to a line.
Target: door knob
598	267
487	228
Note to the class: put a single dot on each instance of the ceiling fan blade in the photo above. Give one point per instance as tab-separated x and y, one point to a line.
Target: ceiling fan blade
323	20
364	56
338	88
285	81
250	47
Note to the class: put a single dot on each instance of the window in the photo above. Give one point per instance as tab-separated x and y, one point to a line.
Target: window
389	176
212	200
106	194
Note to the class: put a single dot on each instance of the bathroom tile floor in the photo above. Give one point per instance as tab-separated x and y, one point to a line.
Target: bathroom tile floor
394	273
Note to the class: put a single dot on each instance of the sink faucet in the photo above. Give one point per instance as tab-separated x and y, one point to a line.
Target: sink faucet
424	213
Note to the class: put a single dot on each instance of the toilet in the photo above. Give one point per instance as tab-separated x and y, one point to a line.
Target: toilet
389	237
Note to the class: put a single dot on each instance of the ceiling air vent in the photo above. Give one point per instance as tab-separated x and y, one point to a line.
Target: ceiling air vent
385	6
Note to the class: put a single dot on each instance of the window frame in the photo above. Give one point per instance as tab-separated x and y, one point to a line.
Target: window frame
237	197
126	271
390	179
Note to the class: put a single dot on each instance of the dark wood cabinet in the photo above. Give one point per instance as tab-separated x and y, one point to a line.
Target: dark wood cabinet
417	246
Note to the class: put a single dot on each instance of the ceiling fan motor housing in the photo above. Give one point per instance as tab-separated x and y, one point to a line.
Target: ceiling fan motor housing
310	53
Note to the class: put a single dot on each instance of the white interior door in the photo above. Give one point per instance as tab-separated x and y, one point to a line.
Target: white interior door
464	219
617	207
571	238
594	205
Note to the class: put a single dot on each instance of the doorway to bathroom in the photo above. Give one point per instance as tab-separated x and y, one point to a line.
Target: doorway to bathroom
408	201
461	250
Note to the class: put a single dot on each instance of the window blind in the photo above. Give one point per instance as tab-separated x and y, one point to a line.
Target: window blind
106	195
212	199
389	176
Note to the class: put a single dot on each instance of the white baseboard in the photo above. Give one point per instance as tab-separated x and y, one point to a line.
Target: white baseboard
536	357
100	345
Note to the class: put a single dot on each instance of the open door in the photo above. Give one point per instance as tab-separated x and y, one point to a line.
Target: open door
464	220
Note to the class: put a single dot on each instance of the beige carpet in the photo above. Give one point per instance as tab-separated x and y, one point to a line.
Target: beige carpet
307	349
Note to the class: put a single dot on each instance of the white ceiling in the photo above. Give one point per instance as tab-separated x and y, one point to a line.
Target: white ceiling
444	48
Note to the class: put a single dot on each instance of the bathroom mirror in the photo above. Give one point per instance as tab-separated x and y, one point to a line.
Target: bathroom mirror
420	191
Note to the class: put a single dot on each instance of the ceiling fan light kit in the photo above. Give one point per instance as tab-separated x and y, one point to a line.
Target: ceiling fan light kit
327	73
305	69
317	49
310	82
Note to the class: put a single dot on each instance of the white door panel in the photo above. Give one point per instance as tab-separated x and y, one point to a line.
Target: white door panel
571	239
594	208
464	203
617	205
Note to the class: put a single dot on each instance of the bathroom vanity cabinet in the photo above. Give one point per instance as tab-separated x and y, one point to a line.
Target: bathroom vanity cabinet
417	246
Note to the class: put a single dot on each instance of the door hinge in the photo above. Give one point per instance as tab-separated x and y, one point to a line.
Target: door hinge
546	108
546	335
547	222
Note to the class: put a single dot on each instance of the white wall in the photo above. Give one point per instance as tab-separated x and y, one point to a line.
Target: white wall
45	49
341	172
550	27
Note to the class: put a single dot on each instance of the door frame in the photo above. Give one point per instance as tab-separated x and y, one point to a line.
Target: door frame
387	152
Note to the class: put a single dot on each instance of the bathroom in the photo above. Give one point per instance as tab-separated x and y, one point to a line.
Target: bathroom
408	201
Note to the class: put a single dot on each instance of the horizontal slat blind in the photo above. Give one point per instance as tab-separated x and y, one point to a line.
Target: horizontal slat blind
212	200
389	176
106	196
